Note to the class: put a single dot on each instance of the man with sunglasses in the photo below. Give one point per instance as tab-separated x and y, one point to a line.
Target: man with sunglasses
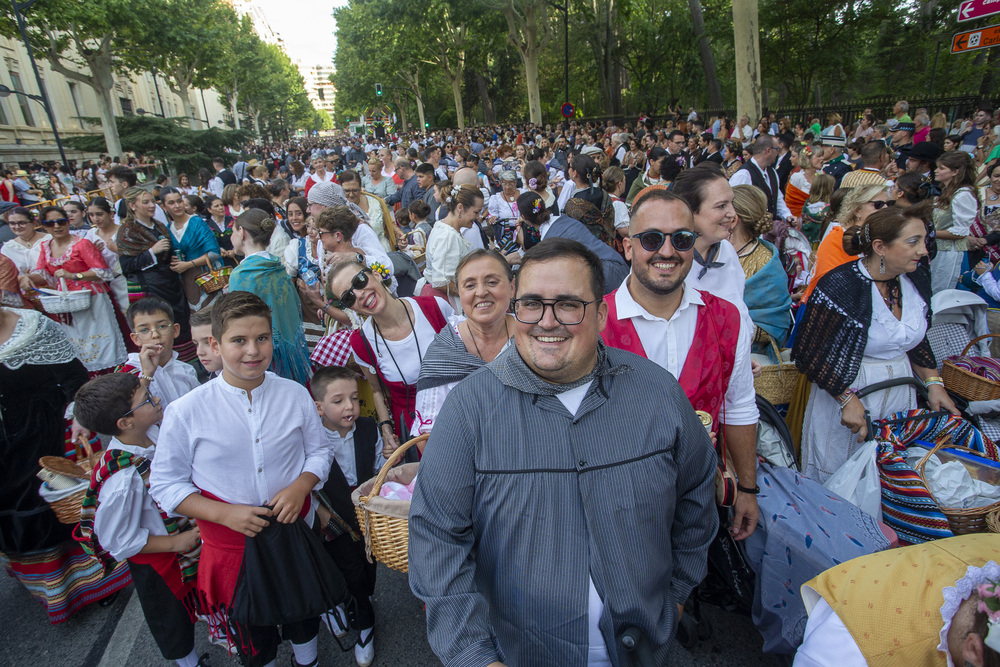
560	451
700	338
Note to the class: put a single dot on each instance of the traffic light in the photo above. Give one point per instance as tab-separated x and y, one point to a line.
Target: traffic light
378	89
427	125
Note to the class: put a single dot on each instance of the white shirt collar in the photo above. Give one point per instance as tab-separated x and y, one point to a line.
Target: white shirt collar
333	433
628	307
144	452
268	379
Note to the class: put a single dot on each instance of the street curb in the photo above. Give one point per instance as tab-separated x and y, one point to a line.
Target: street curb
120	645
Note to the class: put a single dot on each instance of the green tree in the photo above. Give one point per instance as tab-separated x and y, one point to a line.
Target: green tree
88	43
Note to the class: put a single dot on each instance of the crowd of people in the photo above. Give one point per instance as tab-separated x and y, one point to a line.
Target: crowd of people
272	329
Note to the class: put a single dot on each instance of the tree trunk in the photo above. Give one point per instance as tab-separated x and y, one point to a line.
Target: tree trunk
182	88
413	81
233	110
456	90
524	35
402	108
489	116
747	53
103	83
707	59
993	63
534	97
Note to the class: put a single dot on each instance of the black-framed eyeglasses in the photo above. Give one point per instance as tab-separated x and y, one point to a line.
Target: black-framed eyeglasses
149	400
348	298
53	223
651	241
566	311
878	204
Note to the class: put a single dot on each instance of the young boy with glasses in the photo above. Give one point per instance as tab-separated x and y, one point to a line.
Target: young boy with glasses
156	364
120	521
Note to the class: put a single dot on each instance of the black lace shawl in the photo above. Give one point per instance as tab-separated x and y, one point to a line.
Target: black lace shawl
833	332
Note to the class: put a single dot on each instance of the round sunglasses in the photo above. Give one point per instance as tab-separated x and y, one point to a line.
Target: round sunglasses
681	240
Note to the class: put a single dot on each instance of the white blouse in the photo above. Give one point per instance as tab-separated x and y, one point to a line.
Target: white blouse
445	249
798	179
25	258
403	356
887	336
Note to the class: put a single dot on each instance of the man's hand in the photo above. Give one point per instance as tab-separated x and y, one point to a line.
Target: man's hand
245	519
745	513
184	542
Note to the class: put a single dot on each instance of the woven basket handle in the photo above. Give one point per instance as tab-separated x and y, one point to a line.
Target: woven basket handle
976	340
392	461
82	448
62	285
944	444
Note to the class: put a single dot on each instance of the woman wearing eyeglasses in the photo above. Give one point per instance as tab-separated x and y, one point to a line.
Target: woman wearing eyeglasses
866	322
390	344
954	214
78	262
859	203
26	245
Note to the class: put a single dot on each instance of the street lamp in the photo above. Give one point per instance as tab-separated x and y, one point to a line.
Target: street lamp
143	112
19	8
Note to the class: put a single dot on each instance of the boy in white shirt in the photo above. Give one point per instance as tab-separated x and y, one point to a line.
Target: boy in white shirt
153	330
357	448
120	520
201	336
241	454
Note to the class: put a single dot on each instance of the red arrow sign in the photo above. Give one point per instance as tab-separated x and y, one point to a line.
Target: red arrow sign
973	40
970	10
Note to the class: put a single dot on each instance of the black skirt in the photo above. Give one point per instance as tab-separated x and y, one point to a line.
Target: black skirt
286	576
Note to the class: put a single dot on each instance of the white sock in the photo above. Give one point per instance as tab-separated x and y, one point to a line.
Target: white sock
366	633
190	660
306	654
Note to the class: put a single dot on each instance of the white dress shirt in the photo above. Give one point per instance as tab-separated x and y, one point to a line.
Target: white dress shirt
170	382
742	177
728	281
343	452
242	451
667	342
126	514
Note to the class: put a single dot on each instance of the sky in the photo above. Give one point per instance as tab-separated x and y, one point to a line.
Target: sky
307	30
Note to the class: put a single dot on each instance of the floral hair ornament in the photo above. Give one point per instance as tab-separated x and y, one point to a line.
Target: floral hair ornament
532	183
986	582
536	208
382	271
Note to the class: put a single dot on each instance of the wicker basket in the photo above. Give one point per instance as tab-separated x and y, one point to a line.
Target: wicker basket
993	521
968	385
215	280
58	302
961	521
67	508
776	383
384	522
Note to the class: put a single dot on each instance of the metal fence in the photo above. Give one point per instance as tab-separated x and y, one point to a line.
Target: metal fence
955	107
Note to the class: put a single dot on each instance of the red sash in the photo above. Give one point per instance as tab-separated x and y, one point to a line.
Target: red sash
711	359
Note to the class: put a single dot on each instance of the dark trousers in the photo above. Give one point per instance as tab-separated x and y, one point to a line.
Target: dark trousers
169	622
349	557
266	639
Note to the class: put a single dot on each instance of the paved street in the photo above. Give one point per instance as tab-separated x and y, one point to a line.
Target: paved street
117	635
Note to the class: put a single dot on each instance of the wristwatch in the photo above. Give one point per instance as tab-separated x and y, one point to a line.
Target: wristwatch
79	276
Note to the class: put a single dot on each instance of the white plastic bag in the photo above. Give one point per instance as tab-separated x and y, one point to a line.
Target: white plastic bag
857	480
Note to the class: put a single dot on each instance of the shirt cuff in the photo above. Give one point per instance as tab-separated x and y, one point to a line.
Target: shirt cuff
479	654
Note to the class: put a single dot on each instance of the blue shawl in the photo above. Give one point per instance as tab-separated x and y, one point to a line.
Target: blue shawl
767	297
266	277
198	240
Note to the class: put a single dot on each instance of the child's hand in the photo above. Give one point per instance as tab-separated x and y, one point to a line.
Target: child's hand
149	356
186	541
246	520
389	441
287	503
983	267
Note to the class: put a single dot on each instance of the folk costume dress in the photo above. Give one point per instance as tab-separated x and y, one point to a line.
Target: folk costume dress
849	339
39	374
150	274
265	276
195	239
94	331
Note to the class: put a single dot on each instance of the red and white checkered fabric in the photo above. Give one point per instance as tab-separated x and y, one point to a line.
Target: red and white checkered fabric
334	349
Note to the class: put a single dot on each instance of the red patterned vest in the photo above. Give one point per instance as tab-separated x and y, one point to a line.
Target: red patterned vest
710	361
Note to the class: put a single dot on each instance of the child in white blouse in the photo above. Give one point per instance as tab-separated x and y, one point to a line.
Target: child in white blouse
237	453
123	521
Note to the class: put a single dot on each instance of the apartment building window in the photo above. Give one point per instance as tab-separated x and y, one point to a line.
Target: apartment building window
74	94
126	106
15	80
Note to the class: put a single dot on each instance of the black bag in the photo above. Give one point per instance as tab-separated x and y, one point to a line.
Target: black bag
286	577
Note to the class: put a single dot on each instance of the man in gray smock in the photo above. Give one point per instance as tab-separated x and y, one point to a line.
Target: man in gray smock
566	495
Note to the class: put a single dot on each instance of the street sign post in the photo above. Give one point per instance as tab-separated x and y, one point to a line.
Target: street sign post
973	40
970	10
567	110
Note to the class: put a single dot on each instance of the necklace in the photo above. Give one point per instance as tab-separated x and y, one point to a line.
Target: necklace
388	349
994	196
741	254
473	337
894	297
